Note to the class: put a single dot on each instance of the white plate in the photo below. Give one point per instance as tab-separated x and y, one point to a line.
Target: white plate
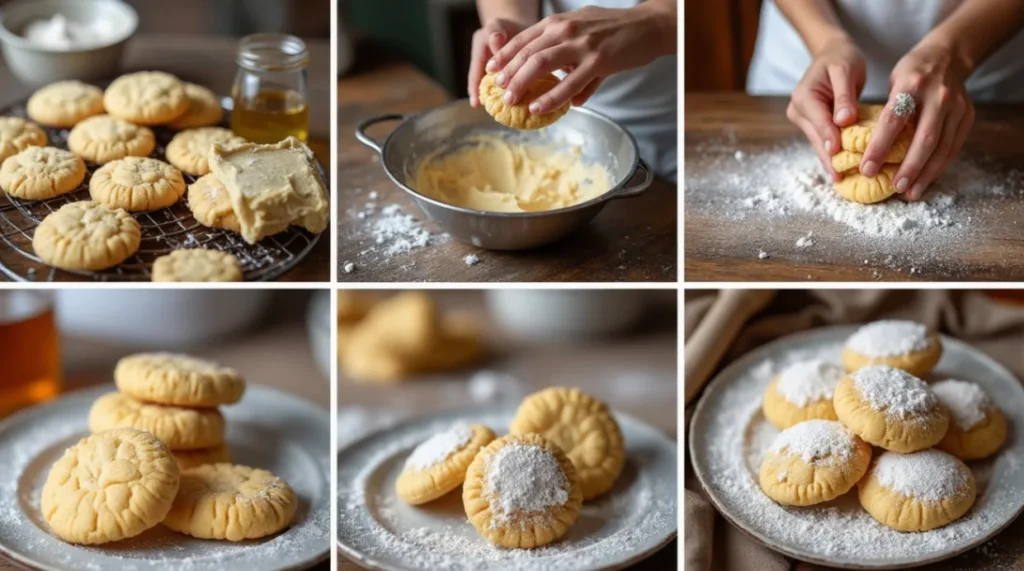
379	531
267	429
728	434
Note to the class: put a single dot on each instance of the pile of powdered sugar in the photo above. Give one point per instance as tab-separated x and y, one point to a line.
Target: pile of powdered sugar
523	480
930	475
386	232
805	382
894	391
965	401
816	442
889	338
439	447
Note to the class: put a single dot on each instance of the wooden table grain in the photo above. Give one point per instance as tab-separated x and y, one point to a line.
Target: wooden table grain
719	247
630	240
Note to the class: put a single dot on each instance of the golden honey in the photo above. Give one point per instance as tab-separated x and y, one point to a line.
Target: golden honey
270	115
29	350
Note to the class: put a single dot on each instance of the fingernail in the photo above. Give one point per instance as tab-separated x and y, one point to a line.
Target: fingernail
500	80
535	108
507	98
842	115
901	185
870	168
828	146
917	191
492	65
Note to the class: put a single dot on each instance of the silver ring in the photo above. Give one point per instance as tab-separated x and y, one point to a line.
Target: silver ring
903	105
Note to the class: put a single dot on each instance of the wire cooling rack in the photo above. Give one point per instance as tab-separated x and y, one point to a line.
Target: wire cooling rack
163	231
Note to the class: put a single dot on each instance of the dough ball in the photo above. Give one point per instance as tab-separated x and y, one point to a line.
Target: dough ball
978	427
802	391
898	343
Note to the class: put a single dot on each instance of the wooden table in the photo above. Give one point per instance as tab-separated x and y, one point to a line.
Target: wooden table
630	240
210	61
635	373
986	245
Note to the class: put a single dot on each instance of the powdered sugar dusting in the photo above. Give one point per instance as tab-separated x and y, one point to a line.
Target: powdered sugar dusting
928	475
523	481
811	381
823	442
889	338
894	391
439	447
965	401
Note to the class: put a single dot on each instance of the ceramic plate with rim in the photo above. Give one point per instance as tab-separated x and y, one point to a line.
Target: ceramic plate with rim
379	531
267	429
728	435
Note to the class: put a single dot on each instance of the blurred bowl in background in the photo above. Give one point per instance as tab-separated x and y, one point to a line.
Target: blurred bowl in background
319	320
543	315
35	64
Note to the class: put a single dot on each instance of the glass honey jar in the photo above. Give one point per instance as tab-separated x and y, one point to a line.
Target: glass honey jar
270	89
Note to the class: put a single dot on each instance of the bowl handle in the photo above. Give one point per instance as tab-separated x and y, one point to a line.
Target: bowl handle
368	140
631	191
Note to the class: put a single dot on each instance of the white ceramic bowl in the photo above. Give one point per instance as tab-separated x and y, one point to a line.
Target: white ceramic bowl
35	65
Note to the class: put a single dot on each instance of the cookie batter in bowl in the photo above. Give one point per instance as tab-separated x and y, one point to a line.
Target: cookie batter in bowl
496	175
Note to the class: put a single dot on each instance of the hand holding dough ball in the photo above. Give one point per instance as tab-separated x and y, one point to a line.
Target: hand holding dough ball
854	141
802	391
438	465
519	116
897	343
977	428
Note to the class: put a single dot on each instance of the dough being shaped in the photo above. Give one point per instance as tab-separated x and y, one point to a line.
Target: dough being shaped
191	458
179	428
39	173
109	486
890	408
519	116
211	205
850	161
204	109
146	98
917	492
856	137
978	427
137	184
802	391
583	428
86	235
65	103
856	187
189	149
197	265
898	343
227	501
438	465
813	462
102	138
522	491
17	134
168	378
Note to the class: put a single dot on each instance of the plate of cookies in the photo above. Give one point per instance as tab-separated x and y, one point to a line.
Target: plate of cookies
559	483
177	465
880	446
141	180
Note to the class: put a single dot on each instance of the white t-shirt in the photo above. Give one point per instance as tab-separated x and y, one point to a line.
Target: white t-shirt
885	30
643	100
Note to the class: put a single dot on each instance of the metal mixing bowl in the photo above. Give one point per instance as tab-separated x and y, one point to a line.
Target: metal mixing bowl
452	126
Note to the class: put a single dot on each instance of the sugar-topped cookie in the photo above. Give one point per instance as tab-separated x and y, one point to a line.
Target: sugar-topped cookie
146	98
895	342
102	138
978	427
137	184
439	464
40	173
204	109
65	103
17	134
519	116
86	235
178	427
802	391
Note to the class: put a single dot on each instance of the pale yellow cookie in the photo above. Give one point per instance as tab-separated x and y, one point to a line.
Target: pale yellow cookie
227	501
204	109
191	458
102	139
109	486
189	149
146	98
898	343
802	391
137	184
39	173
167	378
583	428
211	205
86	236
17	134
439	464
177	427
890	408
197	265
856	137
522	491
856	187
519	116
917	492
978	427
65	103
813	462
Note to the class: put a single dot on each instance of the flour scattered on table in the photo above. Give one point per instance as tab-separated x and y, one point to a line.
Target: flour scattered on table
348	268
762	255
471	260
805	241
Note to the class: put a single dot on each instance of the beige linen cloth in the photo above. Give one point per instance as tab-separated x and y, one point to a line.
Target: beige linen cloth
720	327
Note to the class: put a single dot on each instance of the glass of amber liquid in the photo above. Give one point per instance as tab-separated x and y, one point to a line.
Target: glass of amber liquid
30	369
270	89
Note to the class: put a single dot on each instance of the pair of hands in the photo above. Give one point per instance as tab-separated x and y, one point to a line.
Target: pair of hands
826	100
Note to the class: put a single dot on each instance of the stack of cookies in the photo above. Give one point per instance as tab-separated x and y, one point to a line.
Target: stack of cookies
854	140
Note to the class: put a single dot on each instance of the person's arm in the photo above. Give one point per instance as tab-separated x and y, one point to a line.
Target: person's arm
500	20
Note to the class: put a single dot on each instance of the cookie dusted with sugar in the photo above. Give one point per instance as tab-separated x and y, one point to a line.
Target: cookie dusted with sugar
137	184
40	173
102	138
65	103
802	391
168	378
146	98
522	491
519	116
88	236
894	342
438	465
179	428
977	428
917	492
17	134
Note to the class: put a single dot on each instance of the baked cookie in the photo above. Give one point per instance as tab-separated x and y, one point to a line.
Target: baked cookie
102	138
39	173
890	408
211	205
65	103
856	137
137	184
146	98
802	391
353	307
204	109
898	343
978	427
522	491
167	378
518	116
17	134
438	465
86	236
917	492
813	462
179	428
227	501
109	486
191	458
188	150
583	428
856	187
197	265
